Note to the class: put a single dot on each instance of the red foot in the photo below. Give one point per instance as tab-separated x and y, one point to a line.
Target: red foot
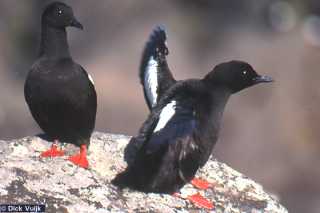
200	184
52	152
200	201
81	158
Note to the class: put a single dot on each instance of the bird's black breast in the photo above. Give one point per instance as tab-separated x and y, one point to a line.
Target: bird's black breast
62	100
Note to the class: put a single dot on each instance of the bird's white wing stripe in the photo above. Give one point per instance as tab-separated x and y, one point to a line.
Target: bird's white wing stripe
151	80
166	114
90	78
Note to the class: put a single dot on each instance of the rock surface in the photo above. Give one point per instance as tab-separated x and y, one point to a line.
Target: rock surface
63	187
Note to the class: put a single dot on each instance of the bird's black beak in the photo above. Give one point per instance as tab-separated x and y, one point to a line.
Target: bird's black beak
262	79
75	23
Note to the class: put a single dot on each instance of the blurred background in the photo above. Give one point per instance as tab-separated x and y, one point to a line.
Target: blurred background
270	132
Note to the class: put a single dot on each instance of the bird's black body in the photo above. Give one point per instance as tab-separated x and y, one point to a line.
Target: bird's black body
58	91
178	136
62	100
170	157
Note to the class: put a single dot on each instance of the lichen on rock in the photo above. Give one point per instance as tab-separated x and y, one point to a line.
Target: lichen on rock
63	187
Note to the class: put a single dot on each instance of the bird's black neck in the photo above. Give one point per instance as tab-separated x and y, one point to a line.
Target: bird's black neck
54	42
219	97
219	93
211	117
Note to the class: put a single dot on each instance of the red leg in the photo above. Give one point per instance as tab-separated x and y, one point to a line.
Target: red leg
196	199
81	158
52	152
200	184
200	201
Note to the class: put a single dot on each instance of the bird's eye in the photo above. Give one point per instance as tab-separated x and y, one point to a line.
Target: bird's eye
244	72
59	12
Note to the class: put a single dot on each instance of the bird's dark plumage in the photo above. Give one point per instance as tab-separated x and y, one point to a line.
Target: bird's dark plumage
178	136
155	75
62	100
59	92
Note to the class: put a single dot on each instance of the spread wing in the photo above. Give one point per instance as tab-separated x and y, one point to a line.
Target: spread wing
155	75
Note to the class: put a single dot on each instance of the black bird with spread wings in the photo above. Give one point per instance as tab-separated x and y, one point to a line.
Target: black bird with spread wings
178	136
59	92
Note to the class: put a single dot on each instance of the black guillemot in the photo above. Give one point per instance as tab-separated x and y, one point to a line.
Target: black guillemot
179	135
59	92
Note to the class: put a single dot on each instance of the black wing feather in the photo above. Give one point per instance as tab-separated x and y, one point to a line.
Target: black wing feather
182	124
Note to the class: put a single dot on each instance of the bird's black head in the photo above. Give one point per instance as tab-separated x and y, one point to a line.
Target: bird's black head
60	15
235	75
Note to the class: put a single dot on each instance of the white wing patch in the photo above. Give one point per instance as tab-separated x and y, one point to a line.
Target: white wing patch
90	78
165	115
151	81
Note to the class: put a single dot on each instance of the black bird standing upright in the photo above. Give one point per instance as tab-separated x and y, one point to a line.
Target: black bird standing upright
59	92
183	127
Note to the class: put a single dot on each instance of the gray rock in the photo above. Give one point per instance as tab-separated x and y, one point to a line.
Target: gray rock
63	187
